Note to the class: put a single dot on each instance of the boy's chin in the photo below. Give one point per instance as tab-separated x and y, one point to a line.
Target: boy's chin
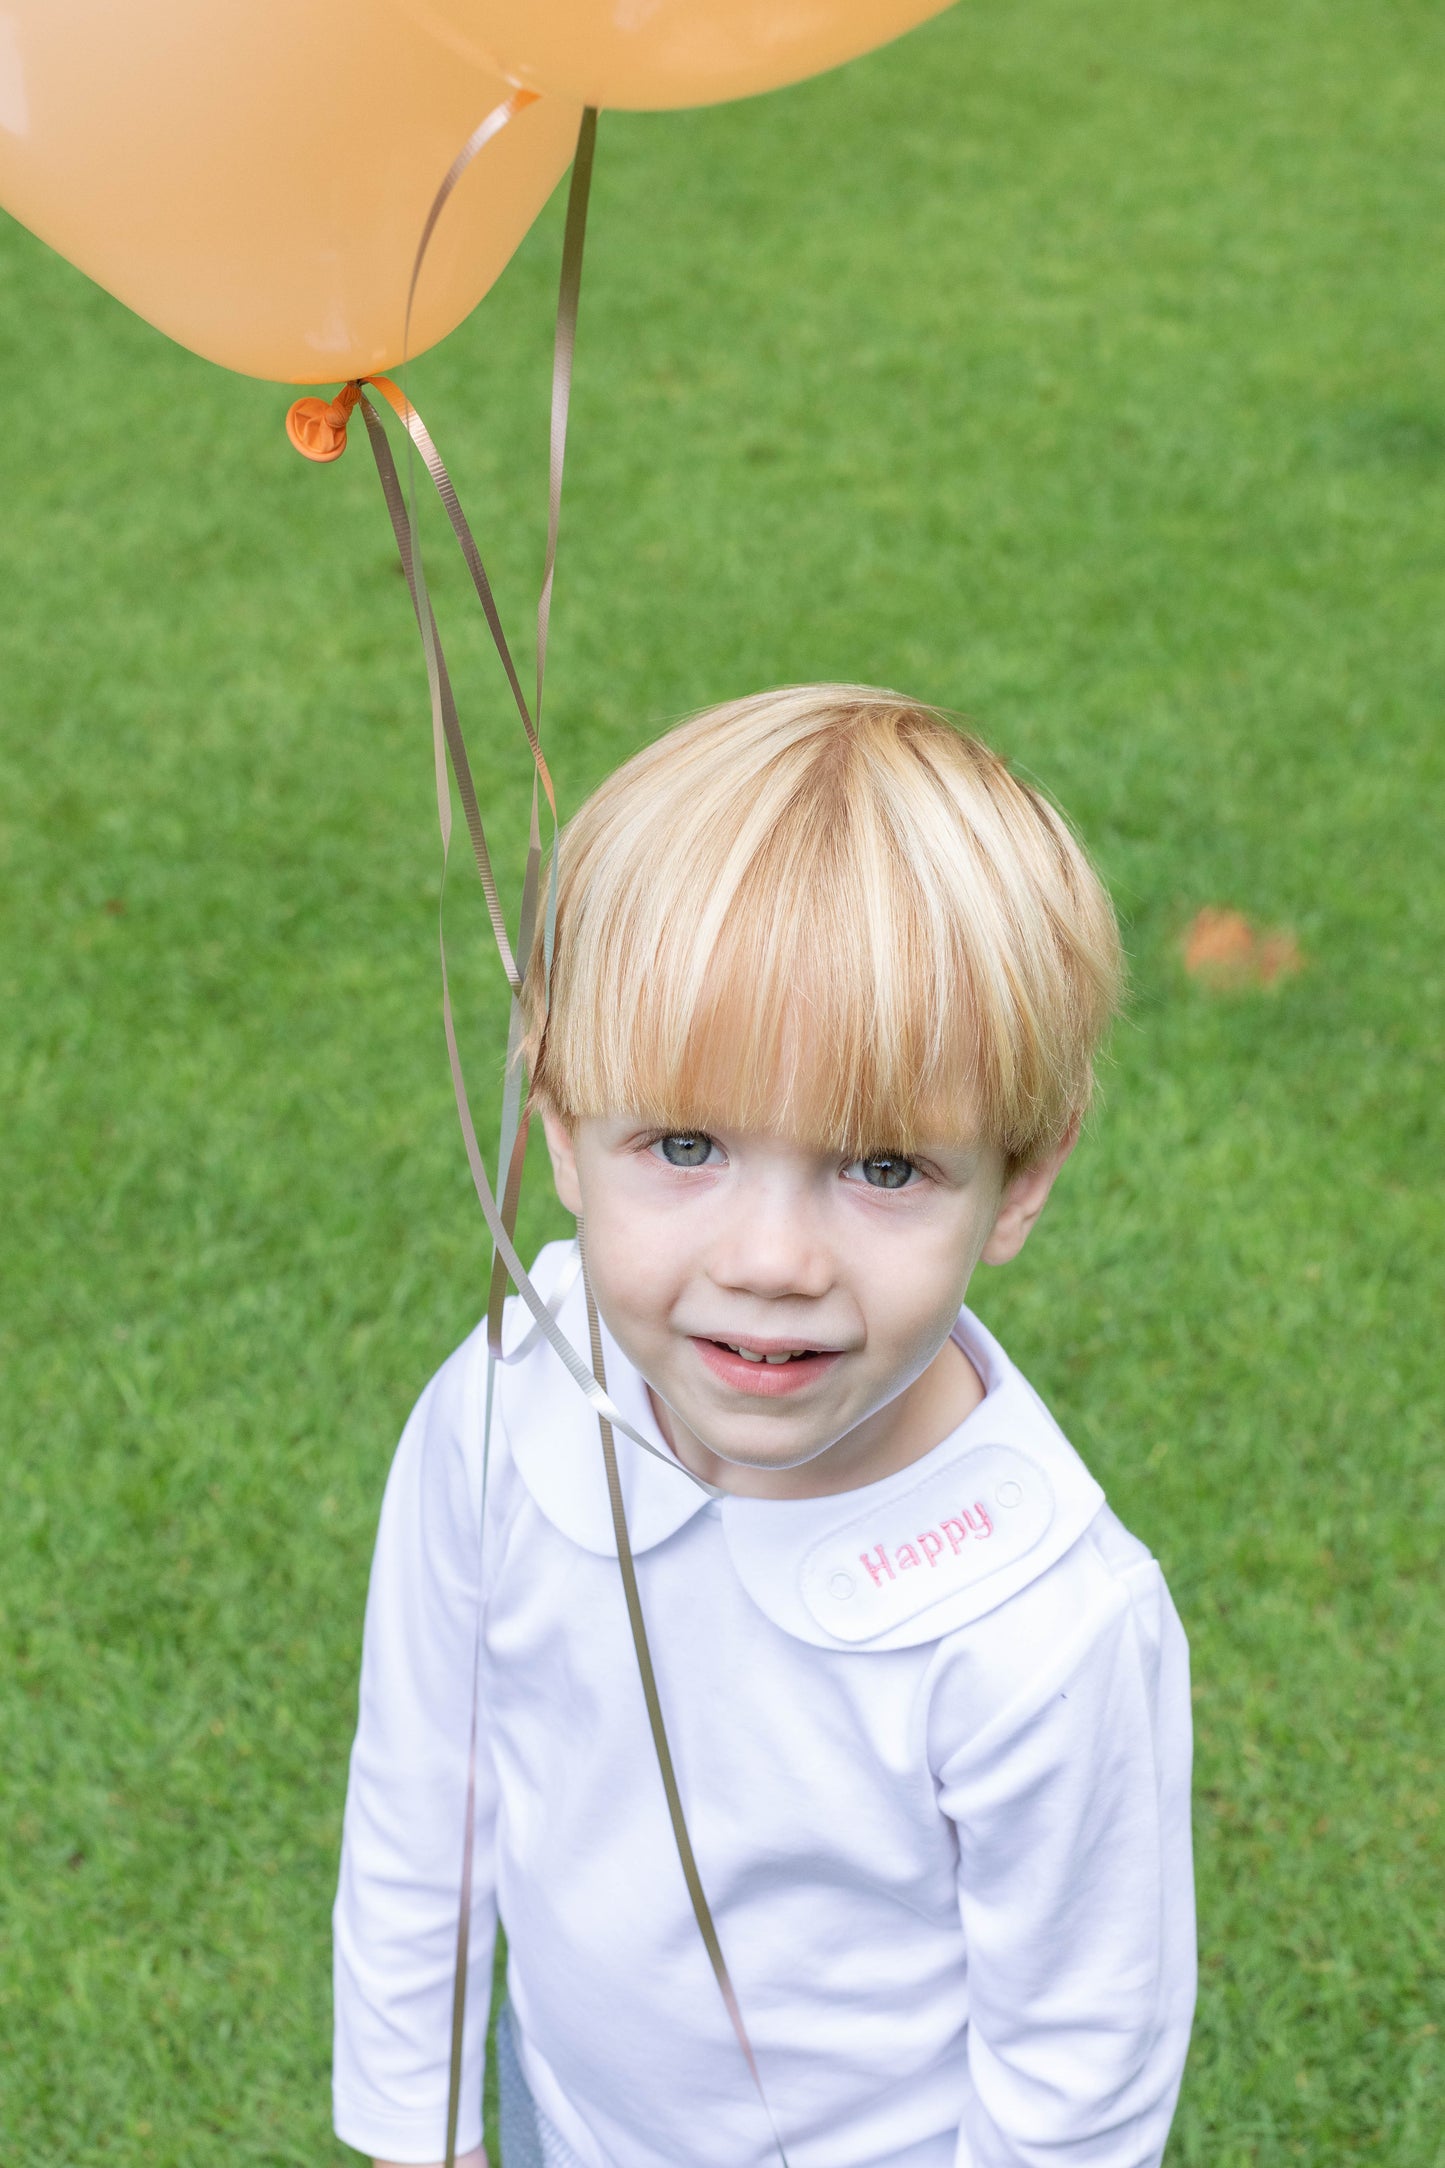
739	1447
720	1443
772	1458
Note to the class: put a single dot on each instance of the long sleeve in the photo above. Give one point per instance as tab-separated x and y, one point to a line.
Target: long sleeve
1071	1807
395	1919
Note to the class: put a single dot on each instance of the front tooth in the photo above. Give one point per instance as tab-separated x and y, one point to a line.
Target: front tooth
748	1356
777	1358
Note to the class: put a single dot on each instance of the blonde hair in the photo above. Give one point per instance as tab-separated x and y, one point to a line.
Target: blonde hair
829	912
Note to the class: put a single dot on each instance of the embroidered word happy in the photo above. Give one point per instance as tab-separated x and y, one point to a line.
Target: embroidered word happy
922	1555
970	1522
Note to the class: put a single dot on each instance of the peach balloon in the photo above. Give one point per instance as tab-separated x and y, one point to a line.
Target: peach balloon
650	53
252	176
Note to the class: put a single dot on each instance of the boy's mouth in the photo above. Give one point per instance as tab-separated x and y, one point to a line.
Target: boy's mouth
768	1367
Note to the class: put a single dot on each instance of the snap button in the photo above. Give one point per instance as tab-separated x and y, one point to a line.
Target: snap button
1009	1494
841	1586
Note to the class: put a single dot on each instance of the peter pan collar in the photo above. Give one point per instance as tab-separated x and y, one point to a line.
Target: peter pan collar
552	1431
892	1565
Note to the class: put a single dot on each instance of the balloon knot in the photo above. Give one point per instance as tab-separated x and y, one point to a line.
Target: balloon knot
317	427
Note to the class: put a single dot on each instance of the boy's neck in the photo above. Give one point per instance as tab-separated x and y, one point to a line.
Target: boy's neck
891	1439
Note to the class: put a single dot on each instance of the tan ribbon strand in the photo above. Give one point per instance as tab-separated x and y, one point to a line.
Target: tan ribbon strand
562	1288
449	748
511	1196
512	1141
569	290
464	1916
564	346
702	1911
408	540
446	721
449	742
420	436
489	127
514	1126
447	733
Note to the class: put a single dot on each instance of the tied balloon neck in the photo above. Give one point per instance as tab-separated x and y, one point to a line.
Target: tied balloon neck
317	427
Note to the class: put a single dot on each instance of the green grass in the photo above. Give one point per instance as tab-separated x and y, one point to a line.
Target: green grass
1079	366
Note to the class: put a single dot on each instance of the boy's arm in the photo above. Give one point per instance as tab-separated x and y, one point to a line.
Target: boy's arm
395	1919
1075	1883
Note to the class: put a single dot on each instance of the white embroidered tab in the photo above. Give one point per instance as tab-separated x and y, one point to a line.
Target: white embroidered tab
983	1512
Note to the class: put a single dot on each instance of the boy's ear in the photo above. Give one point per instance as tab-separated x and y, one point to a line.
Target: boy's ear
1024	1196
564	1162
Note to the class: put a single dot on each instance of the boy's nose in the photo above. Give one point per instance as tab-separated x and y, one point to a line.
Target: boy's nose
771	1244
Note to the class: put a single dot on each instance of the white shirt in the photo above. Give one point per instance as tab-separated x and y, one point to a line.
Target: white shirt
933	1743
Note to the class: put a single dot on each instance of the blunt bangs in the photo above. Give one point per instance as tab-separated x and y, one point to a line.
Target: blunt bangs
826	912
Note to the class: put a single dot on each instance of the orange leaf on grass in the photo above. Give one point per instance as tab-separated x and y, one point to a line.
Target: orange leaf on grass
1224	949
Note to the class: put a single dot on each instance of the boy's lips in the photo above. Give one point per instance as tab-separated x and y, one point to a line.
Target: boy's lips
766	1378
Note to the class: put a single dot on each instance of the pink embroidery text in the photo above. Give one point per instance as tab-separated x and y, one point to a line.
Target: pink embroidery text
928	1548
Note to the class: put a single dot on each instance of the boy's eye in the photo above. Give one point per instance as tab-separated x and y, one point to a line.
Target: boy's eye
885	1170
687	1148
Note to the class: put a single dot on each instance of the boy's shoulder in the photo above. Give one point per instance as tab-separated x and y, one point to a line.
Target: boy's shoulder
456	1440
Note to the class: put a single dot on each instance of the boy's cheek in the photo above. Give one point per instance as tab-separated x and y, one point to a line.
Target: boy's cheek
628	1292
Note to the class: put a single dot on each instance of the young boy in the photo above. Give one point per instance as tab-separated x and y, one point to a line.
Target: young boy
826	989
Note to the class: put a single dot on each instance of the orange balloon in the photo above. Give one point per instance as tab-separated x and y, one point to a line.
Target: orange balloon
650	53
253	176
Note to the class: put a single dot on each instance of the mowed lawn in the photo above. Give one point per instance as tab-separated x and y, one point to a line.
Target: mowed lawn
1081	367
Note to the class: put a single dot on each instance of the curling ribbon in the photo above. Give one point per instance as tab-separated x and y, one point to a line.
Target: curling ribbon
317	429
702	1911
